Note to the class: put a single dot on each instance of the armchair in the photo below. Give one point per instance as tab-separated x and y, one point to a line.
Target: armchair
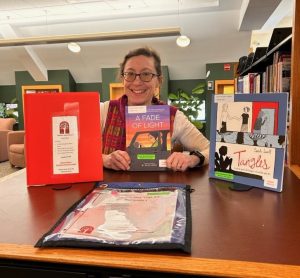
6	125
16	148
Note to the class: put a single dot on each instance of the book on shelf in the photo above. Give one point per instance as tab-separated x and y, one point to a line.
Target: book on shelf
148	139
239	81
61	147
284	76
276	79
248	139
257	88
245	84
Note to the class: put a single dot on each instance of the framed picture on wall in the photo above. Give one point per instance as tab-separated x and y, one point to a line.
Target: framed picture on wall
40	89
210	85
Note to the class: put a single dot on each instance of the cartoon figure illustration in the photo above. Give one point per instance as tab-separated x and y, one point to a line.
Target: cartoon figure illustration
259	122
222	161
245	119
224	117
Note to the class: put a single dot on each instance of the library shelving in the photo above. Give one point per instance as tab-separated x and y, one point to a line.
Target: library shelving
269	68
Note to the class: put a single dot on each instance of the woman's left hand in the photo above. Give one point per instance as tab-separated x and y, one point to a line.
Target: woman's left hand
178	161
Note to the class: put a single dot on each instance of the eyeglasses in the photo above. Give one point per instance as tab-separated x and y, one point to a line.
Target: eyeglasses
145	76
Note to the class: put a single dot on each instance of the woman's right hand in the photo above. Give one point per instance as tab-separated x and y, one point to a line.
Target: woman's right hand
117	160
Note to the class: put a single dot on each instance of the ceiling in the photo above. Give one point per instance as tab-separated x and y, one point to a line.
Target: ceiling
220	31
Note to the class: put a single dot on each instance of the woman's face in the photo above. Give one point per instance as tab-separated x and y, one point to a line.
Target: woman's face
138	91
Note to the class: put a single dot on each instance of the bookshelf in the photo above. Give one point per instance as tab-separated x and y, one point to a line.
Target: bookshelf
269	68
267	59
224	86
116	90
290	42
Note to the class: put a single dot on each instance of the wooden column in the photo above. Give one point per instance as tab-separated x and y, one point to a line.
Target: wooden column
294	134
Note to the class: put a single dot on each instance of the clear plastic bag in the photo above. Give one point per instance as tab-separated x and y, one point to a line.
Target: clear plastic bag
126	215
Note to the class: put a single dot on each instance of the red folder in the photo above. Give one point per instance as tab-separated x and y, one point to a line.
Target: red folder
63	138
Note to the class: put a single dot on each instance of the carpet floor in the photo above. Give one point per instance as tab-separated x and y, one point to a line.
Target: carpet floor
6	169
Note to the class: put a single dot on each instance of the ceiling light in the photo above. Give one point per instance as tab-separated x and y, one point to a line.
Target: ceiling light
74	47
183	41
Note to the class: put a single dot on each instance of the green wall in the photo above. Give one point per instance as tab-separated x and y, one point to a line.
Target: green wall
55	77
217	71
109	75
89	87
7	93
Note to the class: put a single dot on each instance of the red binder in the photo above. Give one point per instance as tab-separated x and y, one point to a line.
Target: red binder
63	138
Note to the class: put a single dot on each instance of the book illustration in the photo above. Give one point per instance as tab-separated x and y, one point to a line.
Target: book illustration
265	117
248	139
247	117
233	116
124	216
252	139
148	139
257	162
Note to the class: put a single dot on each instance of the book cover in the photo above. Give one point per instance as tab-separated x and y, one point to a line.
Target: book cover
61	145
248	139
148	139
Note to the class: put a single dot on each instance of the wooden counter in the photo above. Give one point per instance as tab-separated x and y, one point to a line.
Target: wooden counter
235	234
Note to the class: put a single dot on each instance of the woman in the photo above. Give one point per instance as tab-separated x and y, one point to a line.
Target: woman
141	74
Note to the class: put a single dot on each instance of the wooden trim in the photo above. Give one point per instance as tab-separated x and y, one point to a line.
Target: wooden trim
181	264
295	169
116	90
44	88
219	85
294	134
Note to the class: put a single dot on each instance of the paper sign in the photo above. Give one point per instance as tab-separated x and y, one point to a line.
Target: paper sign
65	145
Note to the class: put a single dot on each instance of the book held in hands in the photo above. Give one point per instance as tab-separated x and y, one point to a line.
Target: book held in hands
148	139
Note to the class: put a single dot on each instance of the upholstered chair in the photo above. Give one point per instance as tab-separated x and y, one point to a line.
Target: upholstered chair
6	125
16	148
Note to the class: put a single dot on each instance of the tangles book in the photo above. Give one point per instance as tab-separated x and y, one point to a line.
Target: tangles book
248	139
148	139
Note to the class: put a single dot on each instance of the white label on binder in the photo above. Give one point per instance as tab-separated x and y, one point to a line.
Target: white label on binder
65	145
224	98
